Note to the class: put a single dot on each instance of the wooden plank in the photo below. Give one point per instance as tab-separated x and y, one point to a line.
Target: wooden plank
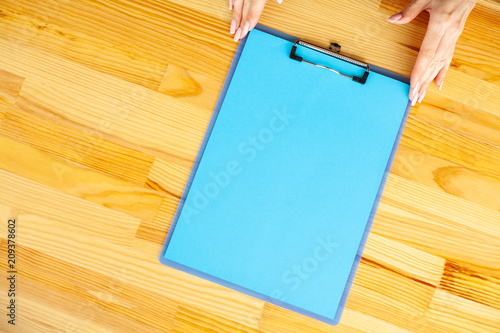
447	177
7	213
86	147
166	213
148	233
125	113
78	180
95	255
168	177
403	259
477	53
156	231
368	323
462	315
50	208
471	91
193	320
178	83
465	120
84	295
389	311
472	284
438	223
410	296
50	309
10	87
3	109
445	144
186	85
131	39
278	320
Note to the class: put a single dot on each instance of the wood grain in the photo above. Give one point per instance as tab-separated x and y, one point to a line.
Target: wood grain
88	293
414	218
461	314
11	85
144	34
189	319
471	283
85	147
447	177
168	177
119	106
75	179
124	263
405	260
455	148
51	207
103	107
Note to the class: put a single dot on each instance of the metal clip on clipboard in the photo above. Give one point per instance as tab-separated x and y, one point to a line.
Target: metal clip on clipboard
334	52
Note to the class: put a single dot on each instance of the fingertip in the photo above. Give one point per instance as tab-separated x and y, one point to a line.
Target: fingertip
439	81
394	18
422	96
421	92
245	30
414	101
414	90
441	75
237	35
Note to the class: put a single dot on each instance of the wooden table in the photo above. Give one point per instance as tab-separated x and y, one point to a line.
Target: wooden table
103	105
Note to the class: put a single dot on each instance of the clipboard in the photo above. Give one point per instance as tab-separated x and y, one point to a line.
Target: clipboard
286	184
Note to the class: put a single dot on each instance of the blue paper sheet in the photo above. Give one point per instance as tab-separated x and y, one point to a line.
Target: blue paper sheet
287	182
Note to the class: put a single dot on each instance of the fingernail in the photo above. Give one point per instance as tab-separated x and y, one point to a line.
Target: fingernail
413	101
415	88
280	1
245	29
422	96
441	85
237	35
233	27
230	4
394	17
414	91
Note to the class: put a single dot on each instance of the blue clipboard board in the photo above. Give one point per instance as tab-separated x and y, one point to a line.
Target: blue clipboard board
285	187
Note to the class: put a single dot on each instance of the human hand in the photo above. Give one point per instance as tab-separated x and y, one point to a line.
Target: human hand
446	22
246	14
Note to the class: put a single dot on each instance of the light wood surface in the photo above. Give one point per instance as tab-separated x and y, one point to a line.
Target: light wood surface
103	106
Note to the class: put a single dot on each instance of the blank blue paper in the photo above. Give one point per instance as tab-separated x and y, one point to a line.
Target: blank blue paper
285	190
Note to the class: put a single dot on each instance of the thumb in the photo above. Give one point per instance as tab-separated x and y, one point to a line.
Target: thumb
409	13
